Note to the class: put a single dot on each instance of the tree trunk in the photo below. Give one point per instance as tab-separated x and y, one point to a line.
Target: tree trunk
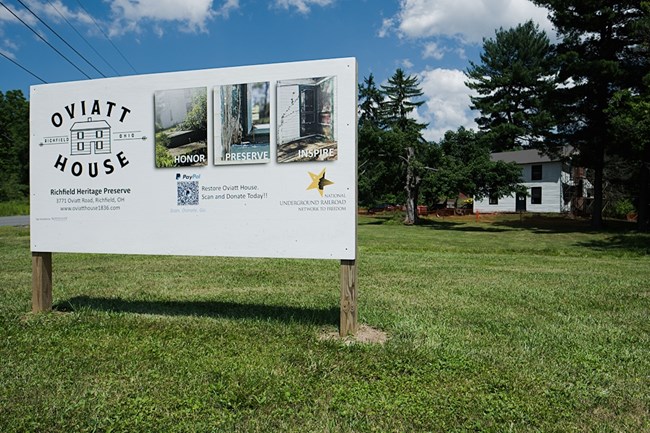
597	208
412	188
643	216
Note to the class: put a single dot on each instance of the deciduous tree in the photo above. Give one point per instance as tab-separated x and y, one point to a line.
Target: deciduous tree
14	145
630	123
465	166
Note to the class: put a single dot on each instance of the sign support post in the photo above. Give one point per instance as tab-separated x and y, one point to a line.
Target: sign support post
349	315
41	281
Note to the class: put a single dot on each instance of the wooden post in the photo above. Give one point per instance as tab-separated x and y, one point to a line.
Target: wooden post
348	323
41	282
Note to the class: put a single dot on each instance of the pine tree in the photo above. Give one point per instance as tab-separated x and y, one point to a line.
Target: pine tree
512	81
397	107
629	113
370	102
597	55
399	102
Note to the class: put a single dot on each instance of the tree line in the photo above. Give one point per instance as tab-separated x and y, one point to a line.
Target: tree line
14	146
396	164
590	91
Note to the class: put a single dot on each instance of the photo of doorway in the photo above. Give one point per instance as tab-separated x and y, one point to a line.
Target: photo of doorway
306	125
242	123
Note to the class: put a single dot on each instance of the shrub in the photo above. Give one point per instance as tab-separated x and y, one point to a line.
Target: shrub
163	157
621	208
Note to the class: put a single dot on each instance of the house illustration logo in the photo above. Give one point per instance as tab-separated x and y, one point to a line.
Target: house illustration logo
94	147
90	136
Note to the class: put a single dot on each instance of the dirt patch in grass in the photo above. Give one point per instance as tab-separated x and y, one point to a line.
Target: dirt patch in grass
365	335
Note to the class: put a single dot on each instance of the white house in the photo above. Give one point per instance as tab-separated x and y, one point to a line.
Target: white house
172	106
550	183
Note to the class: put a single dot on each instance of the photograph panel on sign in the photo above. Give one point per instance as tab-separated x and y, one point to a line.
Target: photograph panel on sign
306	127
181	126
242	114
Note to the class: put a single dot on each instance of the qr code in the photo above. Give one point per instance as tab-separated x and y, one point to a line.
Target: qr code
187	193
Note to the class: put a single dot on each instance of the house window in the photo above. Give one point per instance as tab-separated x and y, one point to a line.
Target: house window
536	172
494	198
99	145
80	146
99	133
80	135
536	195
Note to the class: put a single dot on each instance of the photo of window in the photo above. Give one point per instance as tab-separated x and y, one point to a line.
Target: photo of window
181	126
306	125
242	119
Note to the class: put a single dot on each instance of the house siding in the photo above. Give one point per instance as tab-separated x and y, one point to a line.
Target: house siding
550	183
172	106
288	113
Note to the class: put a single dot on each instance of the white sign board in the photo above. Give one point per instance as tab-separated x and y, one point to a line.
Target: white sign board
256	161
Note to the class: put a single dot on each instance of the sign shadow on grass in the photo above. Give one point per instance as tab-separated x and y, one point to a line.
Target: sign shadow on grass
214	309
441	224
548	224
635	244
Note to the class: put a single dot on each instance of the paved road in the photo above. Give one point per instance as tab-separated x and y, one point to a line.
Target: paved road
22	220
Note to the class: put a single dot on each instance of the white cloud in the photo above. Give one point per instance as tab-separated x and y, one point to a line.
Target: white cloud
387	25
193	15
10	44
433	51
7	53
406	63
466	20
23	14
56	11
227	7
447	102
158	30
303	6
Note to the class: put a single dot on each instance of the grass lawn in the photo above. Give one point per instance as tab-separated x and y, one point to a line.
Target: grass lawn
498	325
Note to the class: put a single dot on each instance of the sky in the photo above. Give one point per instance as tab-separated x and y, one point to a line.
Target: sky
434	40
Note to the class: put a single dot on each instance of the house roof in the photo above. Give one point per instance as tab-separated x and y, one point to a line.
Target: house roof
527	156
89	124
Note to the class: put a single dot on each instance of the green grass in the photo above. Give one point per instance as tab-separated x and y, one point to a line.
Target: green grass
501	325
14	207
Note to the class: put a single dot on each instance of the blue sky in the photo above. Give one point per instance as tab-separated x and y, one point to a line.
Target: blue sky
433	39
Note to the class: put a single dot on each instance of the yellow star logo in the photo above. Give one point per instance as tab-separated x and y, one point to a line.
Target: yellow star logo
318	181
